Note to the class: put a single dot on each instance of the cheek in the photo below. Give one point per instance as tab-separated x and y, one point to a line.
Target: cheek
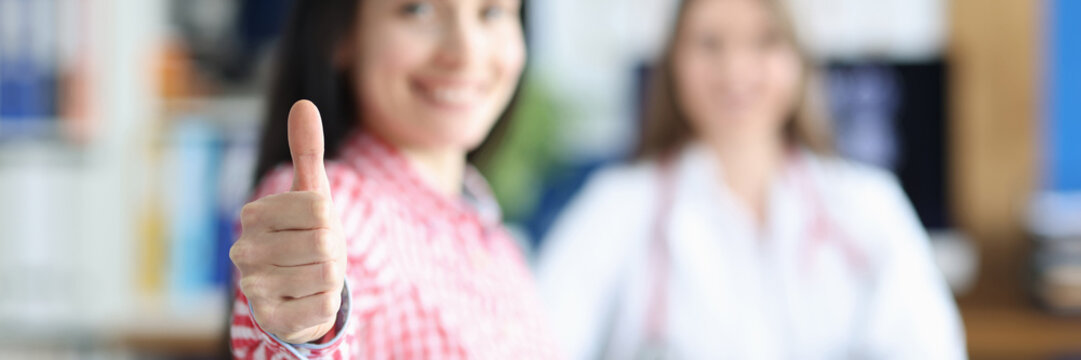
786	78
692	87
387	60
505	58
386	63
509	57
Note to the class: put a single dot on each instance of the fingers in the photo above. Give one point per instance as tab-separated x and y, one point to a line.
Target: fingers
307	147
289	229
296	282
312	310
298	320
288	248
299	282
303	210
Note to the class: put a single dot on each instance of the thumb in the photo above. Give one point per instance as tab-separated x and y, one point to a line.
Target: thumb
306	147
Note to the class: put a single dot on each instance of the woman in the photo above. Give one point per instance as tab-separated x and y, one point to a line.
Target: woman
393	249
736	234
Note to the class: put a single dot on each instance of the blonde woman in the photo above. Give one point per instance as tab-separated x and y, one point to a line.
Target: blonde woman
736	234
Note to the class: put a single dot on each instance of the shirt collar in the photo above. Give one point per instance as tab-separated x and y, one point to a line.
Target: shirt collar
381	161
698	182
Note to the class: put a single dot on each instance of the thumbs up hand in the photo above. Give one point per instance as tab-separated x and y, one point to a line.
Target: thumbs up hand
291	253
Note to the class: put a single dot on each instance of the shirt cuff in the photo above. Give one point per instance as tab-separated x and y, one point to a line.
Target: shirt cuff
340	325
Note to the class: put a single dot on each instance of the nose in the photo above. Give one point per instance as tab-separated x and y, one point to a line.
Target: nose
739	72
460	42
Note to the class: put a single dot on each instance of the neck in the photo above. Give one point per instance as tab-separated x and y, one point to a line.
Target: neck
441	169
750	166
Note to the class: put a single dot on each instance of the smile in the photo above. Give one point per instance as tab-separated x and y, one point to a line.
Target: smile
450	95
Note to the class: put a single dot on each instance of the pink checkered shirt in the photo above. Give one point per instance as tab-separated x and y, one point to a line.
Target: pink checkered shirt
429	277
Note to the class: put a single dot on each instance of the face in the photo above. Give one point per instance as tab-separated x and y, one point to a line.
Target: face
435	73
736	75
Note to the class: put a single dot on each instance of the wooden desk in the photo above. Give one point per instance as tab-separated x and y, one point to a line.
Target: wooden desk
1003	322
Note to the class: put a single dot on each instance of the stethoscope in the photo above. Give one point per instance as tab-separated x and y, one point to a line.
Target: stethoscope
821	232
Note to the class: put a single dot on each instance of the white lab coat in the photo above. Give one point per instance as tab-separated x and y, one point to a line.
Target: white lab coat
736	292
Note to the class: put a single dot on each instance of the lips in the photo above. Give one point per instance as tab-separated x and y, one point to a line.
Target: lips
456	96
450	94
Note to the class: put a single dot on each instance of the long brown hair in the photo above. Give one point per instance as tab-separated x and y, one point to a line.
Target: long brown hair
305	69
666	127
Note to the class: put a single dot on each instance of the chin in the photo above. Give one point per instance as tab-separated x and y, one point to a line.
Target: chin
467	140
449	134
465	132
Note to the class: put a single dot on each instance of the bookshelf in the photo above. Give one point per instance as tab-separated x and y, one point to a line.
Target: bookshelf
86	264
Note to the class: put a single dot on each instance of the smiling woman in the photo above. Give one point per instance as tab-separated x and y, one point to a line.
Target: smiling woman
753	240
394	248
320	59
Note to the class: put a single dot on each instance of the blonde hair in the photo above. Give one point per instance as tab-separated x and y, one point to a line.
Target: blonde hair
666	128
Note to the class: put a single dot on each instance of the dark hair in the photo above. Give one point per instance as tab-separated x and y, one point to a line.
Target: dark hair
666	127
305	70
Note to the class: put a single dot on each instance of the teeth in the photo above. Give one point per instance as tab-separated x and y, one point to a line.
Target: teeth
453	96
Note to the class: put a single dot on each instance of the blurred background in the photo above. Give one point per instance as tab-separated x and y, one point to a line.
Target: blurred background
128	132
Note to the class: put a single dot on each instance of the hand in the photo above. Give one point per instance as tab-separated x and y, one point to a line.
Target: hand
291	253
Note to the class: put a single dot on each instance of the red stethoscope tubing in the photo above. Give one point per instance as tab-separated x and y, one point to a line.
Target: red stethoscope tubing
657	310
821	231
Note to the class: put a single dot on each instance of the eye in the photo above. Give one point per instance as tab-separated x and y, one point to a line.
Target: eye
493	12
709	43
771	39
417	9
